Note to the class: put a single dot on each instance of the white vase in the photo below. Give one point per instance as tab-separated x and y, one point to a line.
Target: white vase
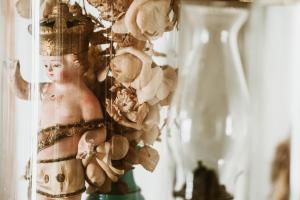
208	119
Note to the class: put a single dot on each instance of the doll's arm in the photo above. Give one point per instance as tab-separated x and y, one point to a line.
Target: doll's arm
91	110
20	86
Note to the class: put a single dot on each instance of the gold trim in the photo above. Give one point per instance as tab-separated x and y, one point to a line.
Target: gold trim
62	195
58	159
220	3
49	136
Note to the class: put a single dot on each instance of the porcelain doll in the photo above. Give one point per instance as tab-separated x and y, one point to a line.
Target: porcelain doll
71	119
69	112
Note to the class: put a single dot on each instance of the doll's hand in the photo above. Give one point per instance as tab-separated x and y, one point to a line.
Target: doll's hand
86	148
14	70
18	85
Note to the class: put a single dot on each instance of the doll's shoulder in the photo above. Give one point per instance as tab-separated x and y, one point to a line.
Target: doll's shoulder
88	99
90	106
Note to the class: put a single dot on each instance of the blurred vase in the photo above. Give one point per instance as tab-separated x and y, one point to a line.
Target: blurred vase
208	119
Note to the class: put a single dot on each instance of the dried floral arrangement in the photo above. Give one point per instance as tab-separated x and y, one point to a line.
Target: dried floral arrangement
114	56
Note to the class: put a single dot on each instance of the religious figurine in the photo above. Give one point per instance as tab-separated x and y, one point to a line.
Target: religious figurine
71	119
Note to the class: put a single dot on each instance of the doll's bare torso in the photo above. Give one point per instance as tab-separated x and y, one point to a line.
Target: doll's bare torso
63	104
67	100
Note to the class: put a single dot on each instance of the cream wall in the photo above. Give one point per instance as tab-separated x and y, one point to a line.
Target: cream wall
273	63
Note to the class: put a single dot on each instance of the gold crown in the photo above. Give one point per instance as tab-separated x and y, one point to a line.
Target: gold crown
64	33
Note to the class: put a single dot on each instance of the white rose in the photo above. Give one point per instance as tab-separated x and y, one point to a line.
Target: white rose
146	19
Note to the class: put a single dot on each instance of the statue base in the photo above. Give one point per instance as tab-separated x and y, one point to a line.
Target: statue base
134	192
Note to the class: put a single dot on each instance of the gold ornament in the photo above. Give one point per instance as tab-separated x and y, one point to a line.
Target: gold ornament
64	33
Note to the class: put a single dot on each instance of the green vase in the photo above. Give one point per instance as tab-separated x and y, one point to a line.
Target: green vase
134	192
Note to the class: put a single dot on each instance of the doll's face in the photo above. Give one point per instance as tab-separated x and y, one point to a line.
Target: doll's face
61	68
54	67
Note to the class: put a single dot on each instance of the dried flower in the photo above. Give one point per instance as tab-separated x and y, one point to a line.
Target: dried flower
148	158
127	40
111	10
146	19
126	101
125	67
153	84
125	109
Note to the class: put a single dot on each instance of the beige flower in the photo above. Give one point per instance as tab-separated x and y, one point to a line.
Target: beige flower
146	19
111	10
125	67
126	101
125	109
99	164
153	84
127	40
145	155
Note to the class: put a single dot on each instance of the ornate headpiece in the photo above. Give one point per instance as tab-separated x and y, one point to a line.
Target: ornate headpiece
63	32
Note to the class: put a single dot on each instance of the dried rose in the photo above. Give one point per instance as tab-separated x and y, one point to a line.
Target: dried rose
166	88
125	68
148	158
95	174
146	19
134	68
124	108
111	10
126	101
127	40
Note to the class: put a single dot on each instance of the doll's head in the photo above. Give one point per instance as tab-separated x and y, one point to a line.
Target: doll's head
65	68
64	43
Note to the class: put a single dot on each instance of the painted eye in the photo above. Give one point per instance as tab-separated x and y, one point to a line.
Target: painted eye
57	65
46	66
